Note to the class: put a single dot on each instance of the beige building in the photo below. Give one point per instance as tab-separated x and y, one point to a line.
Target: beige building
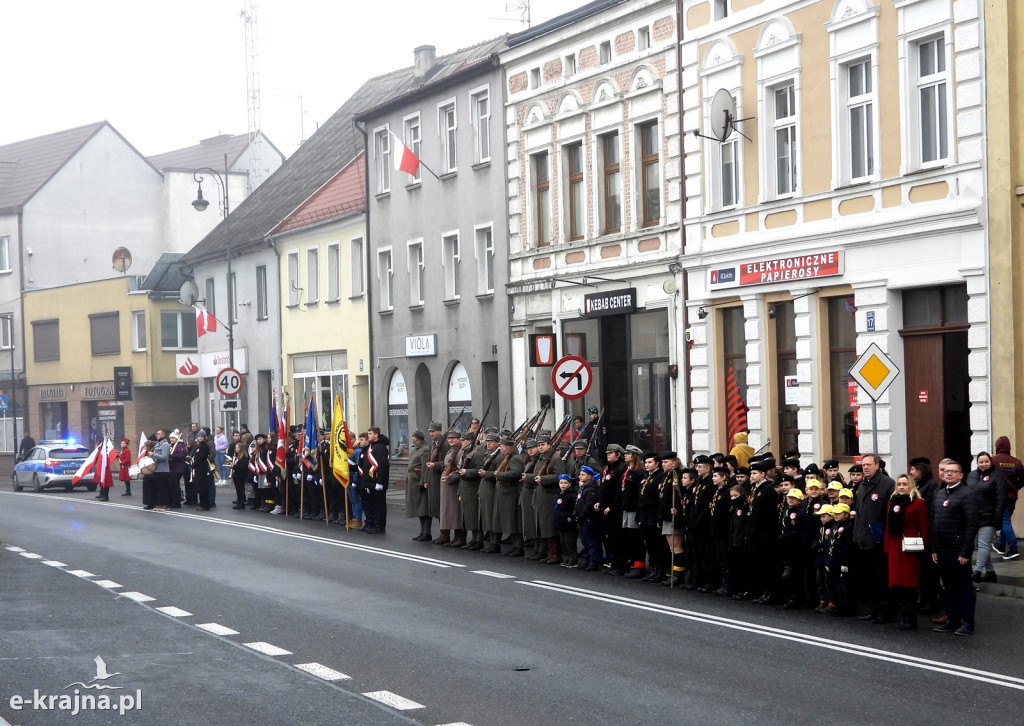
845	206
100	361
325	340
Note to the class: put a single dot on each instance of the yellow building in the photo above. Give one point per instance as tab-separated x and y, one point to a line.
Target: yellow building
325	348
835	189
101	360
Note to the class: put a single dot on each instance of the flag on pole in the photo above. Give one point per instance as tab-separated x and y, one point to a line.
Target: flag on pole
272	427
142	446
281	455
87	466
403	158
310	441
205	322
105	458
735	408
341	443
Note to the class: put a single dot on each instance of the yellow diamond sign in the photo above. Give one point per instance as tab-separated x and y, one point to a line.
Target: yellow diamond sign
874	371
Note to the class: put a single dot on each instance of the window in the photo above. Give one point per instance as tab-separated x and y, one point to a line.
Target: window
842	349
356	252
481	107
784	126
5	254
569	66
178	330
262	304
650	175
7	331
138	331
612	183
413	140
729	151
931	97
105	333
644	38
721	8
535	78
382	152
211	296
485	260
452	257
293	279
415	274
605	52
312	276
542	203
46	339
447	123
577	203
860	110
333	272
386	274
233	298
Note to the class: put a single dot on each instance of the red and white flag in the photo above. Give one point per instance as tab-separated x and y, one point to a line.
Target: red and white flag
142	446
105	458
403	158
205	322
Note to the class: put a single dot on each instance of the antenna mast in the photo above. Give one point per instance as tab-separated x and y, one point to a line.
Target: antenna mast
252	87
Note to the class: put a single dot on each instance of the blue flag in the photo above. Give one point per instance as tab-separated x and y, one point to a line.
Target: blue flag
312	430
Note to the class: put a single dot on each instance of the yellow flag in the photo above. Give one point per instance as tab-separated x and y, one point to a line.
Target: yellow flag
341	443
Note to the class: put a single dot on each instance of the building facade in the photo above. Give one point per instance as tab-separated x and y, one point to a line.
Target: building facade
438	315
594	214
843	207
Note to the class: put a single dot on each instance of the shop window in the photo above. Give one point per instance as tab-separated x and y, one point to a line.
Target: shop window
842	349
649	335
398	415
105	333
735	352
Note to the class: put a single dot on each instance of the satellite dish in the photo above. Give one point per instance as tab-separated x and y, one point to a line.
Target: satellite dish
723	114
189	293
121	260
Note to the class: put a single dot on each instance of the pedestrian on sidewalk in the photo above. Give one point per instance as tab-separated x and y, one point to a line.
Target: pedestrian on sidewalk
124	460
989	487
1013	472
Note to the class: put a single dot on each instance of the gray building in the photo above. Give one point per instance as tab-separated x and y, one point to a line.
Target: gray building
437	241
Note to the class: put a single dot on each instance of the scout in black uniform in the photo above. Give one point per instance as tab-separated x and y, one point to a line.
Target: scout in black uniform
720	508
762	532
650	522
671	511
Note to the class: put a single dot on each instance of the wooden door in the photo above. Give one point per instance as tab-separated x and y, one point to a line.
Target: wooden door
926	405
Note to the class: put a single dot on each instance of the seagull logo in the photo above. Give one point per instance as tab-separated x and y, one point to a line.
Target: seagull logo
101	675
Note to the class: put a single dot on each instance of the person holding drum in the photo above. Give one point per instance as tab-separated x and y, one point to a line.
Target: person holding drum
147	469
162	456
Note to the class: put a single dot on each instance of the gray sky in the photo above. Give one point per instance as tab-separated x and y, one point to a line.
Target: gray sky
167	74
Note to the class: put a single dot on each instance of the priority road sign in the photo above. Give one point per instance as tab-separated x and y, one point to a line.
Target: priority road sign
571	377
874	371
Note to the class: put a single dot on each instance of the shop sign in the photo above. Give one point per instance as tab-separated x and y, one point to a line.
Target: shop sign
420	345
792	390
208	365
779	269
52	394
613	302
97	390
123	383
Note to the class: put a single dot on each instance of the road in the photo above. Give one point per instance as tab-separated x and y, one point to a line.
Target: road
362	629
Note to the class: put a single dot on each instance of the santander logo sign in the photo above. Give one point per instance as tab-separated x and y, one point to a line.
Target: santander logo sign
188	368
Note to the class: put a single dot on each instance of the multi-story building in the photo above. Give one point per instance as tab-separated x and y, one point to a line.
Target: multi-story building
325	337
439	315
843	207
594	212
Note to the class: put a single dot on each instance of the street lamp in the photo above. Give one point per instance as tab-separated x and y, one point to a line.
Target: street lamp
200	203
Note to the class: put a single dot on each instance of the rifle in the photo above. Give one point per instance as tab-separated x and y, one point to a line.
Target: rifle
480	434
593	434
523	433
503	420
436	453
554	444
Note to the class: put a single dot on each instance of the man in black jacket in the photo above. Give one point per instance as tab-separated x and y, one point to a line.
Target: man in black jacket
868	536
374	470
953	530
762	534
610	502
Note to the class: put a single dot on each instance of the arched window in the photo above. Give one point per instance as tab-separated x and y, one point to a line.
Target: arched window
460	398
398	415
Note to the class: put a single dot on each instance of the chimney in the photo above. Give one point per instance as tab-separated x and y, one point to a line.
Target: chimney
424	60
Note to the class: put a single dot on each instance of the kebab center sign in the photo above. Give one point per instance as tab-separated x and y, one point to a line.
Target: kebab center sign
779	269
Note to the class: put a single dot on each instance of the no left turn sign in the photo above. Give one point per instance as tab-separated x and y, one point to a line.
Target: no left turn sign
571	377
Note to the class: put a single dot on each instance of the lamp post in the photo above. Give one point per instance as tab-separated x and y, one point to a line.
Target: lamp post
9	317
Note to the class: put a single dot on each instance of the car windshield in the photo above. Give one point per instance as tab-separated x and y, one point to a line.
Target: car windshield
72	452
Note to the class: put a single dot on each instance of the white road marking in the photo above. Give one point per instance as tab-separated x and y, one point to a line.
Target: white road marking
30	555
174	612
455	723
791	635
217	629
137	596
109	584
54	563
80	573
322	671
12	548
394	700
267	648
488	573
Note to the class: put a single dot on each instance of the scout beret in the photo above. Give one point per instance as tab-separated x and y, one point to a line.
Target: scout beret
668	455
761	466
723	470
588	470
790	463
812	468
791	454
653	455
702	459
831	464
856	469
742	470
566	477
920	460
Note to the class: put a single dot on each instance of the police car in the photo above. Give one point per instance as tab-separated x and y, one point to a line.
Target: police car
52	463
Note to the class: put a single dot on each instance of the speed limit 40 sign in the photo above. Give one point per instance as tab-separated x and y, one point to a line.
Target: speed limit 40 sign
229	382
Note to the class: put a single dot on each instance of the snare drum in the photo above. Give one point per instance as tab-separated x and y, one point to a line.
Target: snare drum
133	471
147	465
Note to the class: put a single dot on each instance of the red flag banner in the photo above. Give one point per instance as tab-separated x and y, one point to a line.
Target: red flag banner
735	408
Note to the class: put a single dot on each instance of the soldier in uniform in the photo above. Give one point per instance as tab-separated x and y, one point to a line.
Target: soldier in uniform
415	491
527	490
452	534
546	495
506	497
486	464
580	458
595	433
469	489
432	471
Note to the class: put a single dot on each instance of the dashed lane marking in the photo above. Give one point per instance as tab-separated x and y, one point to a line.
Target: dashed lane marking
456	723
30	555
498	575
174	612
109	584
137	596
55	563
217	629
399	703
80	573
12	548
267	648
322	671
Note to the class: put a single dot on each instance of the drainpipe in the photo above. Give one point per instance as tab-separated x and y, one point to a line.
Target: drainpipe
683	288
272	243
366	267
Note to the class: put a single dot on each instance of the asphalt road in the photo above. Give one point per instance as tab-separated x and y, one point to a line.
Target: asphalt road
384	630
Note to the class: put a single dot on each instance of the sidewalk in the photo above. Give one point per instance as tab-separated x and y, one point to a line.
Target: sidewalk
1011	578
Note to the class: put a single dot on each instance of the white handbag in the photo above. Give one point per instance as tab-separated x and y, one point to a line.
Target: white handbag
913	544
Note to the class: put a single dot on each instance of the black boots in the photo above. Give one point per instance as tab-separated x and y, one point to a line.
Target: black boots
424	535
907	618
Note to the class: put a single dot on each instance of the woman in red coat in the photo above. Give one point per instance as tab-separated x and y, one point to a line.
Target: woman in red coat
908	517
124	458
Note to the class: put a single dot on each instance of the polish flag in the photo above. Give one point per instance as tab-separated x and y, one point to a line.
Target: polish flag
404	159
142	446
105	458
205	322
